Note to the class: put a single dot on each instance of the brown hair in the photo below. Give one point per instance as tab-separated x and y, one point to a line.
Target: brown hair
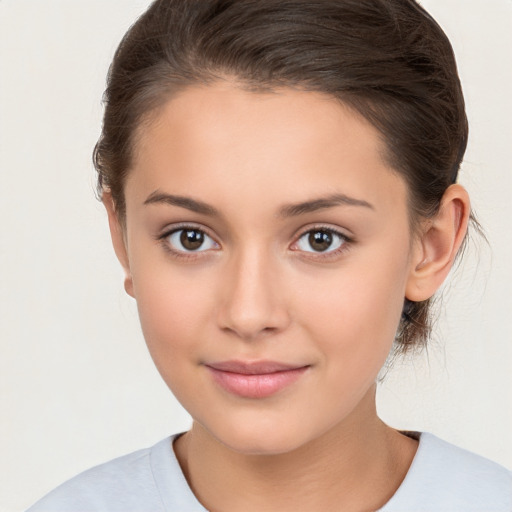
386	59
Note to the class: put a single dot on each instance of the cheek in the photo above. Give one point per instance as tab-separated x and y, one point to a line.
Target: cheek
173	309
355	310
353	320
173	323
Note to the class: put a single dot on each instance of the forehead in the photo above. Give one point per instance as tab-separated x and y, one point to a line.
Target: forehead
222	140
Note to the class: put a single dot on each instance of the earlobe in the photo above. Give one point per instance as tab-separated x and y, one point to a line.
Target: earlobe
437	247
118	240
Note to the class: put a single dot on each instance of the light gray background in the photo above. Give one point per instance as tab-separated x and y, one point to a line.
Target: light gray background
76	384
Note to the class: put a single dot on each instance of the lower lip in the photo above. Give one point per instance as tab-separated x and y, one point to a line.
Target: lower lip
256	386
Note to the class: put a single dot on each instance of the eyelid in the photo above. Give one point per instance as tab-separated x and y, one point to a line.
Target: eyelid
171	228
163	236
348	240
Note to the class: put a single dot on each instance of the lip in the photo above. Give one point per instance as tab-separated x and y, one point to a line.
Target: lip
255	379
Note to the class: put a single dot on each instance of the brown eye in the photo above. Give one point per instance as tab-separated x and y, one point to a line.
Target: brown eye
321	240
190	240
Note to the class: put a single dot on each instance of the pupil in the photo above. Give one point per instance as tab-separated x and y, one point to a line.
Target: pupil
191	239
320	240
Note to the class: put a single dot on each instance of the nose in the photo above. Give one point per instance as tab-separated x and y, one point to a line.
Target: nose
252	299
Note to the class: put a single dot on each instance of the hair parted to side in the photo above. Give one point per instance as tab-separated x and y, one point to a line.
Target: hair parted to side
386	59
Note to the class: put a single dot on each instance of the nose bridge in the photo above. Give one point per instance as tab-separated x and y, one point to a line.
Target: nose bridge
253	298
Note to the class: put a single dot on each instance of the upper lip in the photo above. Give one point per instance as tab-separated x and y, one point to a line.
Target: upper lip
253	367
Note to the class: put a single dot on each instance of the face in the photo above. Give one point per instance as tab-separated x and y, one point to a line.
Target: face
268	248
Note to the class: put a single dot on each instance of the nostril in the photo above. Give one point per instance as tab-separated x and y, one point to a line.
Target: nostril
252	323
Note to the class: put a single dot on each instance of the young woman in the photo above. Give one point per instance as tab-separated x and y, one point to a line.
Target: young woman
280	181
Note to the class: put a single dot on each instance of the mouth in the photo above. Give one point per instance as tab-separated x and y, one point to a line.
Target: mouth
258	379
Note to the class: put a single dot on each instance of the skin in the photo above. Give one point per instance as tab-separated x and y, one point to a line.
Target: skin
257	290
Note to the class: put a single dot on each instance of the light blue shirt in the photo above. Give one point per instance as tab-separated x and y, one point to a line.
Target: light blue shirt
442	478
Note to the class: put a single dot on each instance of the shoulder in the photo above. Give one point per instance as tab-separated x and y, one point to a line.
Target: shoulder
444	477
124	484
453	469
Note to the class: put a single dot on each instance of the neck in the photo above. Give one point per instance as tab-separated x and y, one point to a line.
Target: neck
357	465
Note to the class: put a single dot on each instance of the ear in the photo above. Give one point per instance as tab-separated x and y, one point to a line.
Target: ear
436	249
117	234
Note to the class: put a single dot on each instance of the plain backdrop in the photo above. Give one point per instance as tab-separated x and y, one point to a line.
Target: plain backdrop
77	386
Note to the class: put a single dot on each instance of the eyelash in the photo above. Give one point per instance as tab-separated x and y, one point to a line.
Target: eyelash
192	255
317	255
346	242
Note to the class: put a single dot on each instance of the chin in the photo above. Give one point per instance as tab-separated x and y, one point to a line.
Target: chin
256	445
261	438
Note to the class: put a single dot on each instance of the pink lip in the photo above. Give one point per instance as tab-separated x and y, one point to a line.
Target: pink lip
258	379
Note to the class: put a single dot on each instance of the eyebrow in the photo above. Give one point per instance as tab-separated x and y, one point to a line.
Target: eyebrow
182	201
292	210
289	210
